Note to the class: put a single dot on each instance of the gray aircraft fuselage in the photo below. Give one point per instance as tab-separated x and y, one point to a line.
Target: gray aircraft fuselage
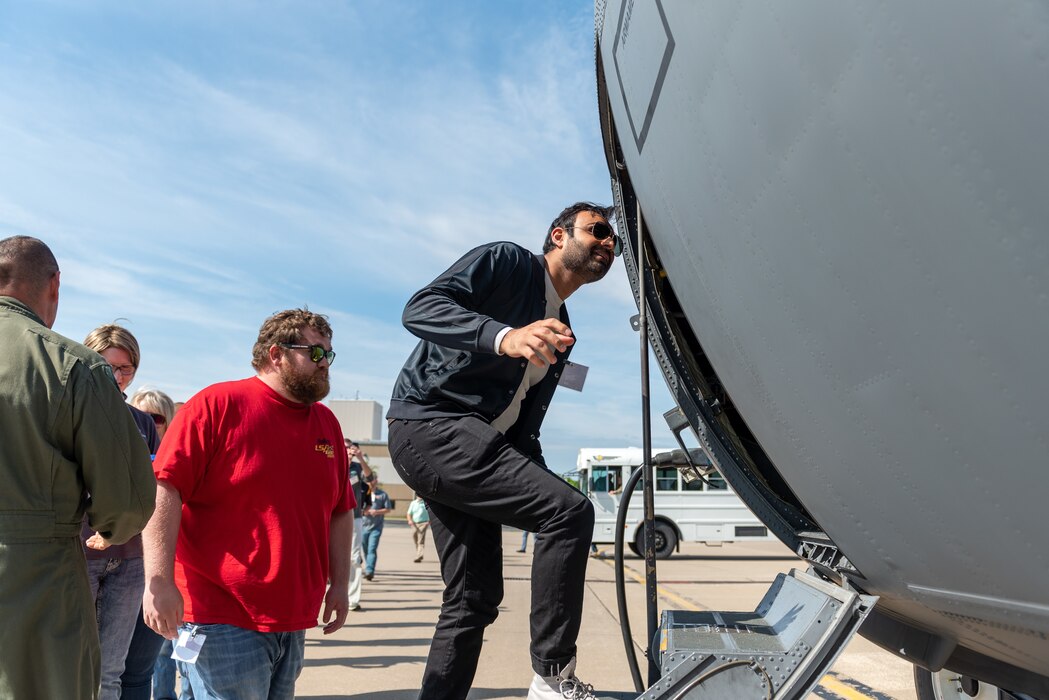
847	208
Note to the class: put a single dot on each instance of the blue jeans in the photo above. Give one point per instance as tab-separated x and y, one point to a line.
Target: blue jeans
137	679
116	587
370	543
164	676
240	664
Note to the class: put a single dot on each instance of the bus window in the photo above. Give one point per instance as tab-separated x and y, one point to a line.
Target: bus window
599	479
606	479
694	485
717	482
666	479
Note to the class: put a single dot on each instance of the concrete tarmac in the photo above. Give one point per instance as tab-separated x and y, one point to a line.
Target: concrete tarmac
381	651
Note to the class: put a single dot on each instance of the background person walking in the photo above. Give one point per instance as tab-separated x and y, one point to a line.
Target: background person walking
374	518
419	522
360	473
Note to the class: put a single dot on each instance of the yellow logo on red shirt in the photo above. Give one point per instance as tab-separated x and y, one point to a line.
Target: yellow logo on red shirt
326	447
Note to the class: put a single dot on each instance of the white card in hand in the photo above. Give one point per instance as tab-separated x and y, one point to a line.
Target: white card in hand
188	646
573	375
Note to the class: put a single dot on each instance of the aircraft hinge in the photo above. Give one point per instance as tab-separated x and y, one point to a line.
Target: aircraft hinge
823	554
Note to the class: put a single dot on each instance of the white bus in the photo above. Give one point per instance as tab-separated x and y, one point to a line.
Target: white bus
686	511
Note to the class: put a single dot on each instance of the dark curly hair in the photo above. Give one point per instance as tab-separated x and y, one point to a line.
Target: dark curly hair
286	327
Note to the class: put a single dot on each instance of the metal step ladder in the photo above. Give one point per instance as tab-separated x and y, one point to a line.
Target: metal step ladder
779	651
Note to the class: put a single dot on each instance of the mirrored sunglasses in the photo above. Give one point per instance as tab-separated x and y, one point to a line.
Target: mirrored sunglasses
317	352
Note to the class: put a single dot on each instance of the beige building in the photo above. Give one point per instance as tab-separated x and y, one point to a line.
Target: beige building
360	420
363	422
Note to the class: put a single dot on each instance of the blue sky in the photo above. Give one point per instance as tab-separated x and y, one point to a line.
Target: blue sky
197	166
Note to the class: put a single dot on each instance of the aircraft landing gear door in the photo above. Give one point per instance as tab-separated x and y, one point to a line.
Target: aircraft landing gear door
605	487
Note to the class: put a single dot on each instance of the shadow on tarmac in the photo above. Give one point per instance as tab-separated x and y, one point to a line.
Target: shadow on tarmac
421	576
330	643
389	625
735	557
475	694
710	557
365	662
378	607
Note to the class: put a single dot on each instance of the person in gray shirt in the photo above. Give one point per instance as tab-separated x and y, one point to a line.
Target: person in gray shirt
374	517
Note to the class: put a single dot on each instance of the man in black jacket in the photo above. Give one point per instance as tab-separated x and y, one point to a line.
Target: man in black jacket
464	434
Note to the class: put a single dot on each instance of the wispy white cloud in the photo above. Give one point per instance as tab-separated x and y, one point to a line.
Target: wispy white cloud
197	167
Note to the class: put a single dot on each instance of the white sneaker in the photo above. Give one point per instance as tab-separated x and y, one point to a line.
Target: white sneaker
561	687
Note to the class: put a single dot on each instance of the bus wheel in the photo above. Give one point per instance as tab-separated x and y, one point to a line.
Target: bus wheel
948	685
666	541
634	549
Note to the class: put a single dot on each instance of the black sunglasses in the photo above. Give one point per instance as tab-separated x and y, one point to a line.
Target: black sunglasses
158	419
317	352
601	230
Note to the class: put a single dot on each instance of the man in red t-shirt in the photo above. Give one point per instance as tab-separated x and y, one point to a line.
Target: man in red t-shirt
254	517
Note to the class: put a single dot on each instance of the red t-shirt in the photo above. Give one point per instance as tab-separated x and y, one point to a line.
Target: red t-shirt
260	478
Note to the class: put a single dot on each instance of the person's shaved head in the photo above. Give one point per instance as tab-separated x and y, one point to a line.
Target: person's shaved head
29	273
26	264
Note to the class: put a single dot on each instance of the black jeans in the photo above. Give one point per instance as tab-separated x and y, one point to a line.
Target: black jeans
473	482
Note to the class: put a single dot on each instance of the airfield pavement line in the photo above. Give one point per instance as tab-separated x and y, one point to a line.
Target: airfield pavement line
662	591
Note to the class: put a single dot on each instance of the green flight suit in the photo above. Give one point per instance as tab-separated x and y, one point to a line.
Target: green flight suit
64	432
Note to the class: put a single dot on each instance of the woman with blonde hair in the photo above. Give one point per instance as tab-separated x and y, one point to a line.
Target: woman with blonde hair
157	405
116	573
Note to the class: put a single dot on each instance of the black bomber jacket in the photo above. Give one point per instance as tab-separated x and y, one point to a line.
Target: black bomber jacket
454	370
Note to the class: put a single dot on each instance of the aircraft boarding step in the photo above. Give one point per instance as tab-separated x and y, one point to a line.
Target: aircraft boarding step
778	652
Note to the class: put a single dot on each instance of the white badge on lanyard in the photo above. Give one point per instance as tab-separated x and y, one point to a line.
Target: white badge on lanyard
189	643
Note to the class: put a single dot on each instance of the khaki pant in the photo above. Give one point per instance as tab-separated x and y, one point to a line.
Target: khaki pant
419	536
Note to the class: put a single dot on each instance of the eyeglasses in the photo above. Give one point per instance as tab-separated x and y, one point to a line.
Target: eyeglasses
317	352
158	419
601	230
125	370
